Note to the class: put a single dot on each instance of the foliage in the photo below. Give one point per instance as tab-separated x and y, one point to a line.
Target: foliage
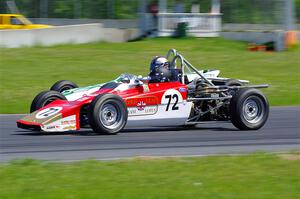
92	9
246	11
253	11
297	5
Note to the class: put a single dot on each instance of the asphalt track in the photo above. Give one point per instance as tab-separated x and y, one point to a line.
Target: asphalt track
281	133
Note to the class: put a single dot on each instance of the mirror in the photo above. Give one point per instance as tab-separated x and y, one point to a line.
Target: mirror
138	82
125	80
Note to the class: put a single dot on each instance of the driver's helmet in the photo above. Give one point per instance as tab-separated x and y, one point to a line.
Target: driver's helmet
160	69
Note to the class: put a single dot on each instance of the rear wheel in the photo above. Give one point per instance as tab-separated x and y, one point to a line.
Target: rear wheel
44	98
63	85
233	82
249	109
107	114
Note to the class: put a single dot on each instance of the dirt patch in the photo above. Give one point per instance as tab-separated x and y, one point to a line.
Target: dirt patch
292	157
147	157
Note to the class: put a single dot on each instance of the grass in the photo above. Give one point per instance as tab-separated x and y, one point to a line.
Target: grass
250	176
24	72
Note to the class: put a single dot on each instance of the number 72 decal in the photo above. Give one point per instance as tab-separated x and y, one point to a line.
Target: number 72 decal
172	98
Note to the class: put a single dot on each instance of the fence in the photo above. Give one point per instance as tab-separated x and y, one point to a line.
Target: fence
234	11
199	24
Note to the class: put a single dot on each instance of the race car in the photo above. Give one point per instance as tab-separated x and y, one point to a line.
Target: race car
191	97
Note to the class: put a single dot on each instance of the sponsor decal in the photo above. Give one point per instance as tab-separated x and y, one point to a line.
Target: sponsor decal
64	124
148	110
183	90
133	102
141	106
146	88
68	122
48	112
50	127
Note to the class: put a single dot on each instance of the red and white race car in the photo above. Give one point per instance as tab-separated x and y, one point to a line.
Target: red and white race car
195	97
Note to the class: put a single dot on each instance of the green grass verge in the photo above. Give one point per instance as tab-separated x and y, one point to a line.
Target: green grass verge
251	176
27	71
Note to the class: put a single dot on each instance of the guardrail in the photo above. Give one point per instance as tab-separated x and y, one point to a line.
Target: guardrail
107	23
76	34
199	24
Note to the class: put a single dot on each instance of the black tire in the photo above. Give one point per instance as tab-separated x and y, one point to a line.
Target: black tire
107	107
249	109
233	82
63	85
44	98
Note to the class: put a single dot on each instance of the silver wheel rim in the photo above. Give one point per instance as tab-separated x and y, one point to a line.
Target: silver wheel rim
253	109
110	116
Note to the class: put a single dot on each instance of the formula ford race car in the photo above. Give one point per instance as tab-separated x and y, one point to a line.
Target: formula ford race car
194	97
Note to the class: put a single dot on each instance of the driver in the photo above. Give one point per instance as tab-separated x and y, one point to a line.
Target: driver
159	70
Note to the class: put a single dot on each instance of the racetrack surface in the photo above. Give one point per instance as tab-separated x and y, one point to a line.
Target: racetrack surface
281	133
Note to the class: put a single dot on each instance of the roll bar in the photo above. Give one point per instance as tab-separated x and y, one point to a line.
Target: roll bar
184	64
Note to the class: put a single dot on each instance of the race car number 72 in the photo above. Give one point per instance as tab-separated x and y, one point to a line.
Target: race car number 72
170	97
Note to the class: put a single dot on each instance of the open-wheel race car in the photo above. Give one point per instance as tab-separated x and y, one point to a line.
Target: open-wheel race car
189	97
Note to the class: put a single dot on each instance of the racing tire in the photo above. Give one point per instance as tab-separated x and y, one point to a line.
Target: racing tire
63	85
233	82
249	109
107	114
44	98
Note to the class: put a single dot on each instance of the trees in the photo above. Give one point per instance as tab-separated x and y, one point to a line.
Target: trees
247	11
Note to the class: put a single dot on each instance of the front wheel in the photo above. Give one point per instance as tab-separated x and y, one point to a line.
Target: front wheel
63	85
44	98
107	114
249	109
